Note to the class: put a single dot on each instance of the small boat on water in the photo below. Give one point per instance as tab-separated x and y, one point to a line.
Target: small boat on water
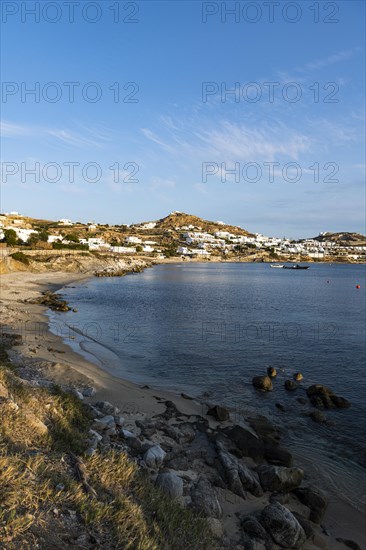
297	266
277	265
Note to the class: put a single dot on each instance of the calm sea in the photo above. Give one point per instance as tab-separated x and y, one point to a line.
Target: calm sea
209	328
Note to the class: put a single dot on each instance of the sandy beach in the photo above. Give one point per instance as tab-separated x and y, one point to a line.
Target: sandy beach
44	356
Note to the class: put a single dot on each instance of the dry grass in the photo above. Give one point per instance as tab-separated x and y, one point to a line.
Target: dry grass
44	502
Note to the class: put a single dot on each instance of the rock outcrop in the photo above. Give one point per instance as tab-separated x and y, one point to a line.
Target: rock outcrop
279	479
282	525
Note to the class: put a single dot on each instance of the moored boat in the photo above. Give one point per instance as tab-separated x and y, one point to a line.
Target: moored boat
297	266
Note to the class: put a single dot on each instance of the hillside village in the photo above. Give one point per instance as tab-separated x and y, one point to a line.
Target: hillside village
178	235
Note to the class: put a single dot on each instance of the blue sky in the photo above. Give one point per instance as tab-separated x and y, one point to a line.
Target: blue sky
293	131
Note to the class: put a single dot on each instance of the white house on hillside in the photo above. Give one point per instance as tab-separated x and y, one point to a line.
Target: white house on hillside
133	240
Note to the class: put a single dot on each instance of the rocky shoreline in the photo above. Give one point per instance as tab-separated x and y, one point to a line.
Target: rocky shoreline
238	474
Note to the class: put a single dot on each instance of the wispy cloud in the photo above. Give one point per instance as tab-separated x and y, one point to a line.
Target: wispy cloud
329	60
8	129
90	138
228	141
86	138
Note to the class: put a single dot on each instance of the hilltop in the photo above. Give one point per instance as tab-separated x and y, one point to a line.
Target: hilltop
180	220
344	238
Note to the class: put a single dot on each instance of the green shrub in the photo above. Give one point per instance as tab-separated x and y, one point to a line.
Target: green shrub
20	257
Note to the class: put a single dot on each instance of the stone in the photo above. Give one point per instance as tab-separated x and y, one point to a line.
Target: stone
107	408
154	457
90	451
350	543
282	525
277	455
147	427
249	480
126	433
290	385
305	524
315	499
185	396
279	479
89	392
187	431
173	432
239	477
248	443
77	394
298	376
204	499
119	420
321	396
104	423
271	371
219	413
171	411
264	428
93	411
340	402
134	444
318	417
170	483
252	527
95	436
262	383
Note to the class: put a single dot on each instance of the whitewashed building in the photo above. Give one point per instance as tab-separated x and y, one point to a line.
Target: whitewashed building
133	240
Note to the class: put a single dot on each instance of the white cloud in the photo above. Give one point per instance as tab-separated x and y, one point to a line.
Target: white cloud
89	137
227	141
330	60
8	129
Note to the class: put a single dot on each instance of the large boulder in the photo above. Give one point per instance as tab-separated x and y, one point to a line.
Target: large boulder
264	428
154	457
170	483
263	383
277	455
314	499
279	479
219	413
248	443
252	527
282	525
305	524
204	499
239	477
321	396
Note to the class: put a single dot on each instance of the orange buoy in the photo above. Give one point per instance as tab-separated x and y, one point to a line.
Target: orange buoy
358	286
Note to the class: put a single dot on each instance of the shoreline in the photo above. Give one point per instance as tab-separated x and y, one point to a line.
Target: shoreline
46	355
